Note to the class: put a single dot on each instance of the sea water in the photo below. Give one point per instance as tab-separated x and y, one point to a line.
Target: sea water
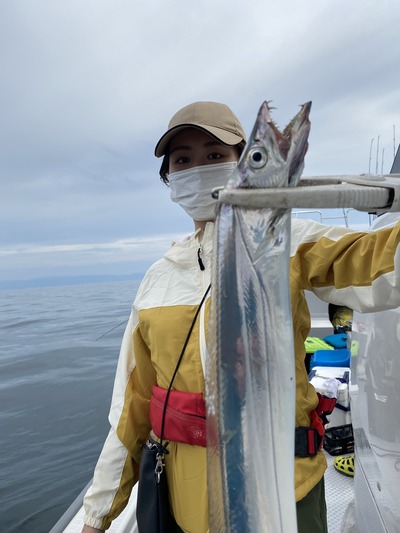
56	379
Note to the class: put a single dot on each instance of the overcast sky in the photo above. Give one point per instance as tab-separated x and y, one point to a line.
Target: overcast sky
88	86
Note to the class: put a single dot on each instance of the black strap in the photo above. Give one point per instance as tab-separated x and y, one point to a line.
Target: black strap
307	441
179	362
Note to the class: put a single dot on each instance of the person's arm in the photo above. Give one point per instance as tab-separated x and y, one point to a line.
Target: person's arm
117	469
89	529
358	269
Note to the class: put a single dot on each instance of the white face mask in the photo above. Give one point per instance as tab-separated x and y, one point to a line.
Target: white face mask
191	188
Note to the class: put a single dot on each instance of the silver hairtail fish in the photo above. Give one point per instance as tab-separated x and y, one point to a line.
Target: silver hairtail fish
250	381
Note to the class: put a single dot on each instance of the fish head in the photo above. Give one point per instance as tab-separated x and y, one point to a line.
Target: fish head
273	158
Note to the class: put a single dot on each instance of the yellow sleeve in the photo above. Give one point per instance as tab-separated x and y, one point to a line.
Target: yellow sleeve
356	269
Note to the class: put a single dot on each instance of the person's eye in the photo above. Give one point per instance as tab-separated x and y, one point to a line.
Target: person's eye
182	160
215	155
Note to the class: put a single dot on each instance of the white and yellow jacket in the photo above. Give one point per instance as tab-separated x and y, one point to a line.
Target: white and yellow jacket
359	270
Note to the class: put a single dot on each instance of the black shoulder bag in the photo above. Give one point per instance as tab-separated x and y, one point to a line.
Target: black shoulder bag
153	510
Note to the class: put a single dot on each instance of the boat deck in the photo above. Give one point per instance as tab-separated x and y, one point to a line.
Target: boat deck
339	495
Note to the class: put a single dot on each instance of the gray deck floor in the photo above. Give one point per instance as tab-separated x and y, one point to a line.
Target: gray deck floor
339	495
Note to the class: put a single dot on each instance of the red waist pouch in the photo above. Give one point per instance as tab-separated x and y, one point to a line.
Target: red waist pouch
185	417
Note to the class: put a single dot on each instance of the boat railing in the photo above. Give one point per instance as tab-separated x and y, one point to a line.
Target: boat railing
62	524
322	216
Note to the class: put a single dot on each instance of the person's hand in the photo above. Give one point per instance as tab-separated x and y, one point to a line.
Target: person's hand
90	529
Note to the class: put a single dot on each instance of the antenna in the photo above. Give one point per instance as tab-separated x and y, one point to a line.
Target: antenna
370	156
394	141
383	154
377	154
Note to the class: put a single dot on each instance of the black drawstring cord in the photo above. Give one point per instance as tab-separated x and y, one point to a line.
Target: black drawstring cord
179	362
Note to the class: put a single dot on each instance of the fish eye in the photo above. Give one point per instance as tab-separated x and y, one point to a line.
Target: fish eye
257	158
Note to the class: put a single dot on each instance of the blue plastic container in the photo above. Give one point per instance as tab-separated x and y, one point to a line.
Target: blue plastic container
339	357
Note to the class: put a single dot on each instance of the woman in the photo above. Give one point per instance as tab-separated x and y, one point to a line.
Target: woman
200	149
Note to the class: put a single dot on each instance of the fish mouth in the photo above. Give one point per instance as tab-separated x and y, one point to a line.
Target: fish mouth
297	129
274	158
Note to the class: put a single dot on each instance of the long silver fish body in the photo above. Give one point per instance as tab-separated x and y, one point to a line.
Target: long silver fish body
250	378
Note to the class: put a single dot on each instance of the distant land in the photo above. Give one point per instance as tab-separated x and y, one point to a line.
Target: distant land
66	280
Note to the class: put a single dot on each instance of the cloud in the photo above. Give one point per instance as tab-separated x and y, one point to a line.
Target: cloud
125	256
88	88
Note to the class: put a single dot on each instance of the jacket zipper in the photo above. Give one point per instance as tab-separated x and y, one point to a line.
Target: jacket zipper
199	259
202	325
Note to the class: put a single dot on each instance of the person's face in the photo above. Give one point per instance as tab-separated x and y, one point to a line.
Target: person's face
194	148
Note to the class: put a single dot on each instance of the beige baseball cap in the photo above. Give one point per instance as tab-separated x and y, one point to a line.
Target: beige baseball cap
213	117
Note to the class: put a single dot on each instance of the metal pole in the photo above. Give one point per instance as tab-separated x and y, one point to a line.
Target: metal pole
377	156
370	156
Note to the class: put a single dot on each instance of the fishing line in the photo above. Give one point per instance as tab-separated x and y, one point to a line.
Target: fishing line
112	329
